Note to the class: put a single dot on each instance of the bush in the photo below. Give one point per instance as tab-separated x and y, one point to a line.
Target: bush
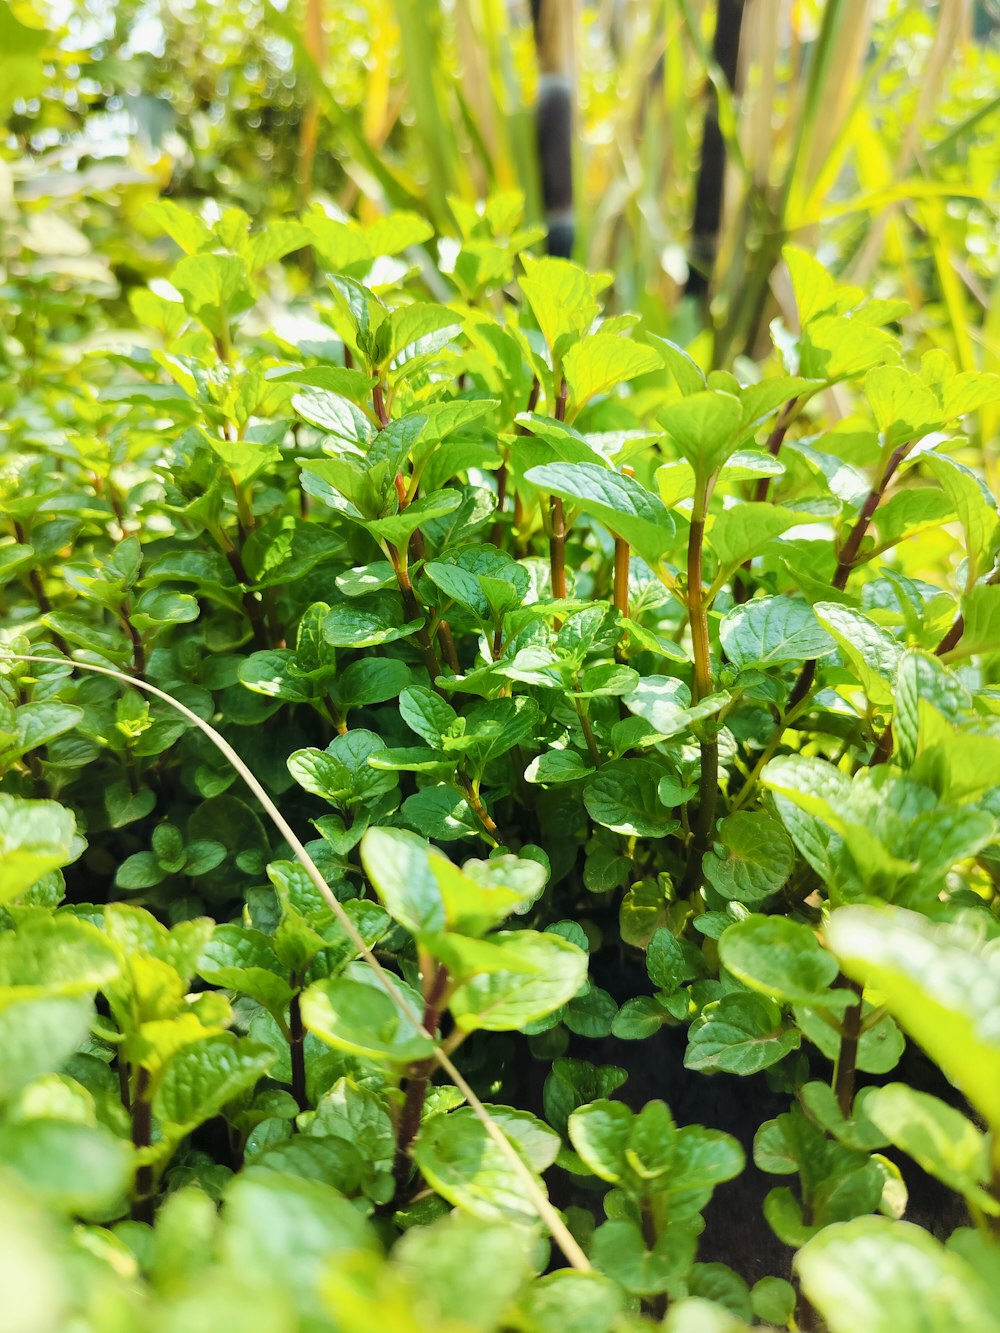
625	717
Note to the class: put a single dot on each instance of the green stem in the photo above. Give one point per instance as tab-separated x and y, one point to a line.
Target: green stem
588	732
400	566
471	794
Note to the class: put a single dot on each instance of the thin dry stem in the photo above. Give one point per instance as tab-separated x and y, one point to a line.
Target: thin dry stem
547	1213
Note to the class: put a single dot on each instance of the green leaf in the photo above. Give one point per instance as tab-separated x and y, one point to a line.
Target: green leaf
940	1139
665	961
770	631
773	1300
141	870
665	703
36	837
938	983
426	713
600	1133
739	1034
623	797
352	626
751	859
782	959
981	613
465	1269
200	1078
573	1083
426	893
707	427
285	1231
244	960
276	674
619	1250
741	532
369	681
337	416
356	1015
420	328
975	507
215	288
461	1162
621	503
37	1036
561	297
54	955
396	528
687	374
243	459
77	1169
39	723
180	224
571	1302
600	361
882	1276
834	347
554	767
873	654
903	407
341	773
541	973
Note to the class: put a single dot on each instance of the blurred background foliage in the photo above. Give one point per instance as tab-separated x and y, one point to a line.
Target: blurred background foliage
705	134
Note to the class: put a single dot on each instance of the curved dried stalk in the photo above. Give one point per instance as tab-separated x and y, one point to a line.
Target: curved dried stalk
543	1207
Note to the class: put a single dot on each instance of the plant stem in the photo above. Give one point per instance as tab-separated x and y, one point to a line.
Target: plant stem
622	552
142	1137
557	549
378	402
846	557
775	740
447	642
588	732
496	532
741	587
557	542
138	649
952	639
480	811
701	685
418	1076
254	609
297	1047
398	559
847	1060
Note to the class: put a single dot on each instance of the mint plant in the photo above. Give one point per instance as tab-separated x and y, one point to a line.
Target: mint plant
418	717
